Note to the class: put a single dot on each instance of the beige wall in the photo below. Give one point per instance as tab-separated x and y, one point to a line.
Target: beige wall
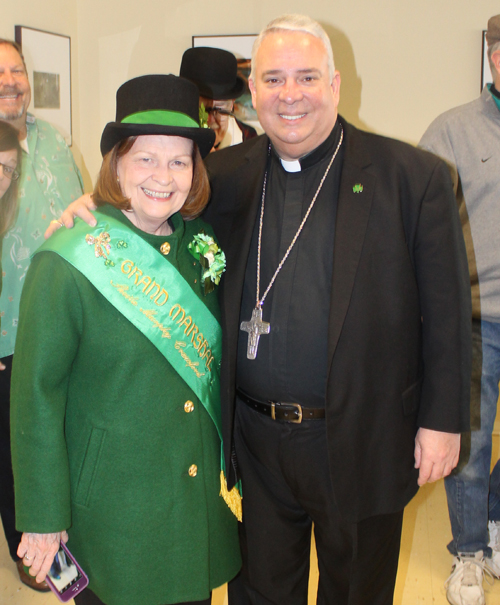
402	63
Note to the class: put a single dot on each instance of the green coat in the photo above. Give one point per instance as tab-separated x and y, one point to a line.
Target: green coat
102	440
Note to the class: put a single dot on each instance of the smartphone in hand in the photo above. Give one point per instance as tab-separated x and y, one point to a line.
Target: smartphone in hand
66	578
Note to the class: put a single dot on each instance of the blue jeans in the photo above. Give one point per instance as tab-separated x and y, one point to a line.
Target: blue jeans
473	495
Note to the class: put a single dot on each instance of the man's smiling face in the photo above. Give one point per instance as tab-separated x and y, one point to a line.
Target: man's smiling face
15	92
295	99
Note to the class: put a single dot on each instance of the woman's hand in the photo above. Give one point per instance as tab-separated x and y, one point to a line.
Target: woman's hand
38	551
81	208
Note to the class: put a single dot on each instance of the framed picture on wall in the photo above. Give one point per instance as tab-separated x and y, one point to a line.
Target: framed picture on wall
485	64
48	61
241	47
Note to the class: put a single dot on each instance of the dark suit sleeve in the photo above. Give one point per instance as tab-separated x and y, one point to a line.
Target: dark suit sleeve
440	263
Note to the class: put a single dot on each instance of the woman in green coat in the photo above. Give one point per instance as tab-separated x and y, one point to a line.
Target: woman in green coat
116	414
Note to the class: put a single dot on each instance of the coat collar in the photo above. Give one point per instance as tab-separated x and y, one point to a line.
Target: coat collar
357	187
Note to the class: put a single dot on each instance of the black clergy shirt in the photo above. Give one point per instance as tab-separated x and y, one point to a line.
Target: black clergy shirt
291	360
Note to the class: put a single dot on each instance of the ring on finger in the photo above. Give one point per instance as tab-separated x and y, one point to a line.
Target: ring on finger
27	558
58	222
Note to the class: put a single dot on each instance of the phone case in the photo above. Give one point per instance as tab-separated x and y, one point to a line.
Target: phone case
75	588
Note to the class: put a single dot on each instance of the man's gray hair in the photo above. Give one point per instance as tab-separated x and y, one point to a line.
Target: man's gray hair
17	47
295	23
491	49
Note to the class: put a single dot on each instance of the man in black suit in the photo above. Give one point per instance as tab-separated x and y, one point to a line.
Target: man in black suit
346	384
346	321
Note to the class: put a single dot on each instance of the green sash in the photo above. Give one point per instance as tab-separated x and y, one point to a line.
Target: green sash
151	293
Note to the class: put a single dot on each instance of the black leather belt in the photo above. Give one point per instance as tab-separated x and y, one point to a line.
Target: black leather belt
280	410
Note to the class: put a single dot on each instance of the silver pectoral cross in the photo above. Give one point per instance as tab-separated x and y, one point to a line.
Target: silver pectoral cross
255	327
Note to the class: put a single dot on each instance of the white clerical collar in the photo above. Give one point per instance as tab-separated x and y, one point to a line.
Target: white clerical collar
293	166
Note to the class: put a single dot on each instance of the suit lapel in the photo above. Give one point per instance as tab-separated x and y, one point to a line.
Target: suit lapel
248	191
353	212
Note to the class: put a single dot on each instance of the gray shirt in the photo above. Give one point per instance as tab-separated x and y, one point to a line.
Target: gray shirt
468	139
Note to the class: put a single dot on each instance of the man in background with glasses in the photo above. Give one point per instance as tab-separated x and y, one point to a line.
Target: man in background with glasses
214	71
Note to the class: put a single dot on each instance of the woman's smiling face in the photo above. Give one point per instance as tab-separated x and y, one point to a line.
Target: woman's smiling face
156	176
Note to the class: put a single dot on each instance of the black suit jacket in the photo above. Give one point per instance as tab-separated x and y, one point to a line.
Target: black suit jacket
399	343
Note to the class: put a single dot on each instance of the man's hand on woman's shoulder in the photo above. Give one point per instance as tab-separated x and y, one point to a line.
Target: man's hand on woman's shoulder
81	207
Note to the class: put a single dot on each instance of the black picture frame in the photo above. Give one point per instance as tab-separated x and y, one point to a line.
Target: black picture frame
48	61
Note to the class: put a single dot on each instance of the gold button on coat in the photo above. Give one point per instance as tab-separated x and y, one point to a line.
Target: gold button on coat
188	406
165	248
193	470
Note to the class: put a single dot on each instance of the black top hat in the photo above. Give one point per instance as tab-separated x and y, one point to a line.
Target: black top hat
157	104
214	71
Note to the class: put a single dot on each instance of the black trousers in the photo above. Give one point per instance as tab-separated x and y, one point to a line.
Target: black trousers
7	509
87	597
287	488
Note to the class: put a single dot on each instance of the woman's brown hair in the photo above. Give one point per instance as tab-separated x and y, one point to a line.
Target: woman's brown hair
107	189
8	203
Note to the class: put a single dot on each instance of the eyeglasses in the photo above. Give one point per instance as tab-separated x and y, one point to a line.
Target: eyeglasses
9	172
219	112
